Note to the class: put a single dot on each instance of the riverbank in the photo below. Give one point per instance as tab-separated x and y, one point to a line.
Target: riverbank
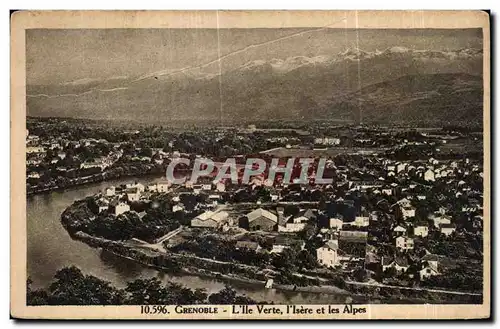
355	292
92	179
148	258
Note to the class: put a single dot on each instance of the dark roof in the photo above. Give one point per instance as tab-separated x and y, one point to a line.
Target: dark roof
309	213
448	225
402	261
331	244
387	260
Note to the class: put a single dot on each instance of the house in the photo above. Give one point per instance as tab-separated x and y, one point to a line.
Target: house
401	167
336	223
421	229
120	208
441	220
327	254
400	264
162	187
428	271
387	191
448	229
133	194
110	191
250	245
429	175
404	202
102	205
327	141
140	187
210	219
261	219
431	259
399	230
404	243
291	226
408	212
220	187
361	221
177	207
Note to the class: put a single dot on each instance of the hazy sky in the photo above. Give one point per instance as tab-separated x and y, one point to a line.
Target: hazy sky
60	56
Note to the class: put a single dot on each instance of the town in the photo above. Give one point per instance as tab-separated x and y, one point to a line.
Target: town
404	209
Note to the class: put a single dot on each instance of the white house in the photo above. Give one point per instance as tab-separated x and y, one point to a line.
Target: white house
387	191
336	223
121	208
177	207
400	264
400	167
404	243
421	230
213	219
408	212
441	220
427	272
399	230
327	254
404	202
133	194
361	221
110	191
429	175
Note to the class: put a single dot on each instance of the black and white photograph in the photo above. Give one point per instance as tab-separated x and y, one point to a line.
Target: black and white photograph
217	171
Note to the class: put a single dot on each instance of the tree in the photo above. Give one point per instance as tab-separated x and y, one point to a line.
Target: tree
224	297
71	287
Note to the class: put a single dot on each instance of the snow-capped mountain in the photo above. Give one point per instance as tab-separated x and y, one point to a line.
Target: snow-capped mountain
260	89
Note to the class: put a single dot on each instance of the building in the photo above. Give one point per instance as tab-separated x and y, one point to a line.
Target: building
429	175
448	229
102	205
400	264
441	220
121	208
404	243
140	187
327	254
297	223
428	271
361	221
133	194
336	223
110	191
421	230
210	219
177	207
399	230
408	212
431	259
327	141
261	219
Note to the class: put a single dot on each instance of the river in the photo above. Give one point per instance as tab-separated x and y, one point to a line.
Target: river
50	248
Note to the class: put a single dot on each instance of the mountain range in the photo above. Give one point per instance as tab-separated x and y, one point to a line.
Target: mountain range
393	85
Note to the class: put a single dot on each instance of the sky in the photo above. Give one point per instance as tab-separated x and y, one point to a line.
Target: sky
78	56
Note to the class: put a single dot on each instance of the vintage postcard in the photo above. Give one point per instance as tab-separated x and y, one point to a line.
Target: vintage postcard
250	165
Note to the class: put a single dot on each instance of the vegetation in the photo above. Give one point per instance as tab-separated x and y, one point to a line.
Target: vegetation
71	287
